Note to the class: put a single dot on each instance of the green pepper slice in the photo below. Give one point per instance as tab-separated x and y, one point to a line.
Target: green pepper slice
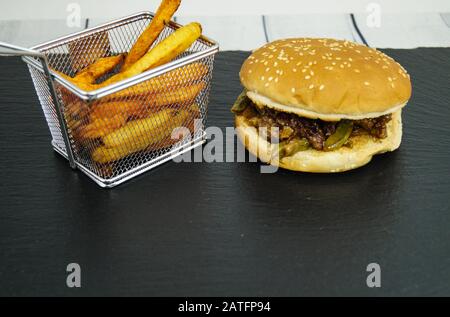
241	103
289	148
339	137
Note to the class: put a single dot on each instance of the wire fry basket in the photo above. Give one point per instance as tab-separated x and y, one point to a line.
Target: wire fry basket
115	133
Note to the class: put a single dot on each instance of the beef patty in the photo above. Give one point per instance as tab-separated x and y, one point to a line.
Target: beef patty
316	131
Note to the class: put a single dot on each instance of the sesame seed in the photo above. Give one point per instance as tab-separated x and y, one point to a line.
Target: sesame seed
321	87
262	77
267	69
311	86
366	83
356	70
311	72
307	77
293	90
276	79
294	70
304	70
266	85
270	78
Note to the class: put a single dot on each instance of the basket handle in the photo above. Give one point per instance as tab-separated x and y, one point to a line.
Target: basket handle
13	50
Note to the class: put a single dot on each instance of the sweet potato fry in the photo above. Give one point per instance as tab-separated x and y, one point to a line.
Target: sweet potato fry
101	67
164	52
163	15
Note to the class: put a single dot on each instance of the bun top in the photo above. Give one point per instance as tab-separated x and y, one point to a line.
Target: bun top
326	78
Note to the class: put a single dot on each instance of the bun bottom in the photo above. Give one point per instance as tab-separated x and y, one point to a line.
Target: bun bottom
364	147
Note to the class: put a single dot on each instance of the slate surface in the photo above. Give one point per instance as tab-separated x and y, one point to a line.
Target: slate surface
224	228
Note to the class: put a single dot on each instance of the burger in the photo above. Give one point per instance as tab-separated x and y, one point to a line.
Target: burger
320	105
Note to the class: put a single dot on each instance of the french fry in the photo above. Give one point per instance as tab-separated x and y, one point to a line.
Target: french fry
163	15
176	78
76	109
139	135
181	95
82	85
164	52
107	116
101	67
101	127
141	107
133	131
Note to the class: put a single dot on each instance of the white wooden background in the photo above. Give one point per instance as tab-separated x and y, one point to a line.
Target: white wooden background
245	24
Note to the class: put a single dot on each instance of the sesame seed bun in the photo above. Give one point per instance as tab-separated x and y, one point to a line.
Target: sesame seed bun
325	79
364	147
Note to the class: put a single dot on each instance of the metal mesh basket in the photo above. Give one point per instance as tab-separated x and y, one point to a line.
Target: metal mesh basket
117	132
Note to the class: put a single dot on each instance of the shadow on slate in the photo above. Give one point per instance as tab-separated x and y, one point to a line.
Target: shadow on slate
198	229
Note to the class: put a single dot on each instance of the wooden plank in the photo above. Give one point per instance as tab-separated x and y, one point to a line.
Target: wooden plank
232	32
31	32
406	31
313	25
53	9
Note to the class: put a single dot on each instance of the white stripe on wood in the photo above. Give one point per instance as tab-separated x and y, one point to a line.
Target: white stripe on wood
446	18
406	31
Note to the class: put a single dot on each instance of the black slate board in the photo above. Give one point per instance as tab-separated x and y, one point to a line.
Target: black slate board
224	228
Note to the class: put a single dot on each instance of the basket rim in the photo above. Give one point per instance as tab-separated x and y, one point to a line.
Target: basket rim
126	83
